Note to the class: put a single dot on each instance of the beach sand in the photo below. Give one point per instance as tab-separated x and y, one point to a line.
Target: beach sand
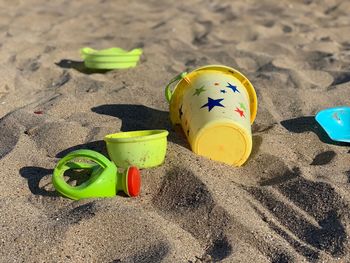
288	203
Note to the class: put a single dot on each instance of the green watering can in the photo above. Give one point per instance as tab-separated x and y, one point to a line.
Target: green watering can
104	181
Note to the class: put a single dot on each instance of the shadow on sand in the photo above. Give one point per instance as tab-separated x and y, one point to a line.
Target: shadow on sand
308	123
79	66
139	117
34	175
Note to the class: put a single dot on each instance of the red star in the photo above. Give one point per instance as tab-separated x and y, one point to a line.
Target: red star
241	113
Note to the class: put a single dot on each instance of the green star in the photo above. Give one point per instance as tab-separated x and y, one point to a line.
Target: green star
242	106
199	91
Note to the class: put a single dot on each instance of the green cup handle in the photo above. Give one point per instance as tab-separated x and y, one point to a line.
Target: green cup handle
83	191
168	91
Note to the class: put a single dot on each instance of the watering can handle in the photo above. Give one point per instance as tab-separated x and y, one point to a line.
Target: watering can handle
86	154
65	162
168	91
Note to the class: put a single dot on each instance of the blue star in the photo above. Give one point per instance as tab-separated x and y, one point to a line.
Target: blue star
212	103
234	88
223	91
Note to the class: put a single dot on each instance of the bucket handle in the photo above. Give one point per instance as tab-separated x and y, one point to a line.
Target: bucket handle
168	91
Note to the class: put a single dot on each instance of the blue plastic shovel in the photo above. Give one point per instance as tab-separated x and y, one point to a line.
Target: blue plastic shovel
336	122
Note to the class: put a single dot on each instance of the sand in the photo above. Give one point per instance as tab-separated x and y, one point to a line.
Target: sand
288	203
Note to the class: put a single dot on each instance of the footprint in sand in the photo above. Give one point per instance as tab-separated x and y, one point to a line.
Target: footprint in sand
76	214
87	85
300	74
4	90
9	134
155	253
55	137
203	29
72	222
184	199
317	224
308	215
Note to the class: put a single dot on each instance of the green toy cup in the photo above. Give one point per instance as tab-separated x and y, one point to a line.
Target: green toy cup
143	149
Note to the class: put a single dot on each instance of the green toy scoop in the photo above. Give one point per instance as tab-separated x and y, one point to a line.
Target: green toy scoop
104	180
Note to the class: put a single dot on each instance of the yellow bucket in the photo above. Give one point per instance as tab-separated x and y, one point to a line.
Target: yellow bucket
215	105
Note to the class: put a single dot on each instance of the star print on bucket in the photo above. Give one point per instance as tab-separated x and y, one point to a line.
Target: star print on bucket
232	87
212	103
218	104
242	106
240	112
199	91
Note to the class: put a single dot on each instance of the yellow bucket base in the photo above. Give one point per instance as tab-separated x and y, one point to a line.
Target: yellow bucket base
223	142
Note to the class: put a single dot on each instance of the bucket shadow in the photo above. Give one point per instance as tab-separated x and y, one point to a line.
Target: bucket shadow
257	141
79	66
98	146
34	175
139	117
308	123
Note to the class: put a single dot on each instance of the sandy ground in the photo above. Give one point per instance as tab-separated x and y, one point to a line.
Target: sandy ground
289	203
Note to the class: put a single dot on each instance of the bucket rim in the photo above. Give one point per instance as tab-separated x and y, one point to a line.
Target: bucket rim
136	136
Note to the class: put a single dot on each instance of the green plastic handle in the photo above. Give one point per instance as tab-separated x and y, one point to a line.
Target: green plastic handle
76	165
102	182
168	91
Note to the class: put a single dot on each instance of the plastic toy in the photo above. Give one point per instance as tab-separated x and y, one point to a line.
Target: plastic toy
336	122
104	179
143	149
111	58
215	105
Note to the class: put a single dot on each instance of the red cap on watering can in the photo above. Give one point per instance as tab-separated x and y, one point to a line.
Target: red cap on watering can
133	181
